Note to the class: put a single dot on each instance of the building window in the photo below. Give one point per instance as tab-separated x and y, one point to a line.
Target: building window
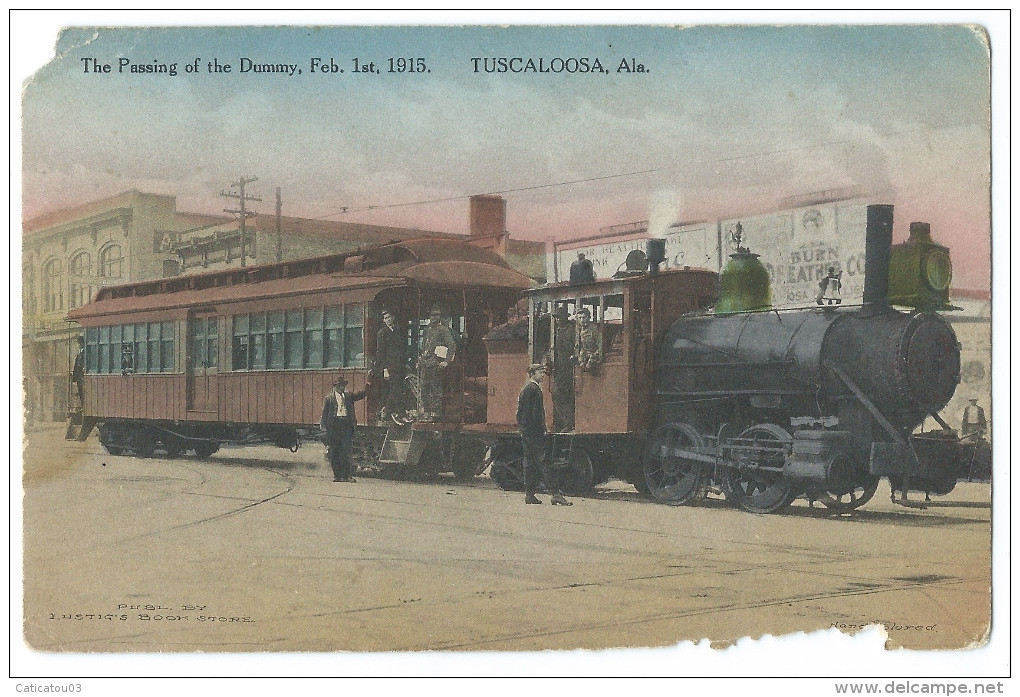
144	347
53	285
299	339
111	261
81	271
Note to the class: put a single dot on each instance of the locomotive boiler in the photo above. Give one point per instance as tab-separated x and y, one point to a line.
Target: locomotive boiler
821	402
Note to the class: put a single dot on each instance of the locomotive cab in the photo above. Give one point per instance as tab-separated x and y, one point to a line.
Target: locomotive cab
598	341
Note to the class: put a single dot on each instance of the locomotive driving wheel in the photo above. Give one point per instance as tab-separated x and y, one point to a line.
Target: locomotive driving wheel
754	479
671	478
854	497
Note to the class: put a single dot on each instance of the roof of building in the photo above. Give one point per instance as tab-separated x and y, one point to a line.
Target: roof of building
92	208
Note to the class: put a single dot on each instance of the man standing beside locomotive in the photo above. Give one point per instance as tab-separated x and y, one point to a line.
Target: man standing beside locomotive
391	357
437	354
338	421
531	422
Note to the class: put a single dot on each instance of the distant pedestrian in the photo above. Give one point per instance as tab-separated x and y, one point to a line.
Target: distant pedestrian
338	422
975	425
78	372
531	422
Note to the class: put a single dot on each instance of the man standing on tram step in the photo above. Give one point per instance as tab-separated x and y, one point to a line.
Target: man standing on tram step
531	422
391	358
437	353
338	421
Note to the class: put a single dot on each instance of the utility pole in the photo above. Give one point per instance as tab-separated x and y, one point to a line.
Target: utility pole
241	212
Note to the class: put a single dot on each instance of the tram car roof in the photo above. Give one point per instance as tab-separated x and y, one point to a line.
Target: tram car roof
448	263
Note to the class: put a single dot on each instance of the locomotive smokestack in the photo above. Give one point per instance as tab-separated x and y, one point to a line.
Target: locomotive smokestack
878	247
655	251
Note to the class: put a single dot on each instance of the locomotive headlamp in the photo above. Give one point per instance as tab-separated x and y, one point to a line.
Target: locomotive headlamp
920	271
938	269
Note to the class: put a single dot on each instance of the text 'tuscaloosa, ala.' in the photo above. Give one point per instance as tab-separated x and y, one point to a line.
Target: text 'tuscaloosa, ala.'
580	65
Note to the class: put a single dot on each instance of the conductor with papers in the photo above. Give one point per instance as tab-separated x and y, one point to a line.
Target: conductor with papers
438	352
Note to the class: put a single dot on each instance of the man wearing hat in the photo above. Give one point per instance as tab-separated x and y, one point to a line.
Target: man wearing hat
975	425
437	354
589	342
391	359
561	359
338	421
531	422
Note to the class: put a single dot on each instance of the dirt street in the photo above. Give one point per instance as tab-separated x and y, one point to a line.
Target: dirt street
258	550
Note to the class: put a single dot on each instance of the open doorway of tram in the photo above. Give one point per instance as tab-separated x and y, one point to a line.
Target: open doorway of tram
441	352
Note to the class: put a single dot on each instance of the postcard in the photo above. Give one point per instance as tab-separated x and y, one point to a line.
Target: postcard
314	312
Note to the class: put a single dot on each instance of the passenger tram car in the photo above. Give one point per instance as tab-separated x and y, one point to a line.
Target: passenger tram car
703	384
247	355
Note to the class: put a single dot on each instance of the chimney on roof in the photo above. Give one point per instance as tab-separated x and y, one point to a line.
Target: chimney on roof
488	222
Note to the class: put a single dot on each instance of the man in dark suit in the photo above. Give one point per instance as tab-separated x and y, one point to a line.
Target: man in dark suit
582	271
78	372
531	422
391	361
338	421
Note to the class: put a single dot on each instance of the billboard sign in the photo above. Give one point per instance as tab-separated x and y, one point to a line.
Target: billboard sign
799	248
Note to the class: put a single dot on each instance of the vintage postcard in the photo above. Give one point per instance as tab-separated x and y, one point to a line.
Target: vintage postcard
664	342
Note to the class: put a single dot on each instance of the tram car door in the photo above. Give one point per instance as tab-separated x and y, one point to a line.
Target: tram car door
202	364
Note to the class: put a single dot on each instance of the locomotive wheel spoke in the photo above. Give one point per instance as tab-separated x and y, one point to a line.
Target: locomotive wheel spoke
760	490
844	502
670	477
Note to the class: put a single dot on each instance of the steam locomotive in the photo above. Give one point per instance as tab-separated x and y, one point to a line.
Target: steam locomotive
765	405
821	402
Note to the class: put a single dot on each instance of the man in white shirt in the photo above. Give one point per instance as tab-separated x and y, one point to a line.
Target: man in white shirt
338	421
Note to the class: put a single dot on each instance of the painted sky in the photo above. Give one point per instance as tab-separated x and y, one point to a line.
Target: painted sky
727	121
